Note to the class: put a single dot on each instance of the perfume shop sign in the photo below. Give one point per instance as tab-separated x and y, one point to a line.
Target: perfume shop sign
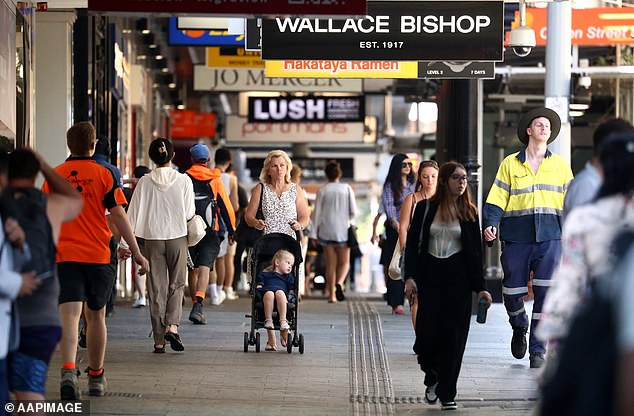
306	109
395	30
240	130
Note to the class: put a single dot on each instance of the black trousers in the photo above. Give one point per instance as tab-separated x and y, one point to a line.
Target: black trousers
395	288
442	323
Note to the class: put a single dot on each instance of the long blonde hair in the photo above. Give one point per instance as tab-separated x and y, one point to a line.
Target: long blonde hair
264	174
278	255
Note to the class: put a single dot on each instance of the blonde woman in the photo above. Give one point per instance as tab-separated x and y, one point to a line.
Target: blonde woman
284	205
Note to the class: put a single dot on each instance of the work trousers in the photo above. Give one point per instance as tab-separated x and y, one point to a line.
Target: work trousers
518	260
442	323
166	281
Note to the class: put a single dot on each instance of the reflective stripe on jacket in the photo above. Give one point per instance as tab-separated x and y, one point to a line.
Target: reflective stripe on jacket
528	207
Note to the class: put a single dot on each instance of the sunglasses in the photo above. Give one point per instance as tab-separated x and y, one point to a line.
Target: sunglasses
406	164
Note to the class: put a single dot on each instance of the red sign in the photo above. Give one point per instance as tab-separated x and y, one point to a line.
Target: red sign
604	26
188	124
228	7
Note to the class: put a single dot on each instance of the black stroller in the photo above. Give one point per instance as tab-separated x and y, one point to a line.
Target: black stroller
261	256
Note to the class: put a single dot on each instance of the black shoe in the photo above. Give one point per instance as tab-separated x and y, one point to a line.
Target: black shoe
537	359
175	341
196	315
449	405
518	343
339	293
82	338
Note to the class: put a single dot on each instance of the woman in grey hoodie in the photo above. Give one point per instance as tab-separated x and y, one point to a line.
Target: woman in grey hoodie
162	203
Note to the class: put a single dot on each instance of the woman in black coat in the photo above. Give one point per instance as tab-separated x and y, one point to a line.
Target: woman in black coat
443	265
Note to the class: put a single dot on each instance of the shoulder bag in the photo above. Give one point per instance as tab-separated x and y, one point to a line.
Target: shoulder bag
246	235
196	230
395	269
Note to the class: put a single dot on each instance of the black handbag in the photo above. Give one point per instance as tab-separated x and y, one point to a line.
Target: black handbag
246	235
353	243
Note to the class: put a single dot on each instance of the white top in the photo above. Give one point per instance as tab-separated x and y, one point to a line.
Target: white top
335	208
586	238
444	239
279	210
162	202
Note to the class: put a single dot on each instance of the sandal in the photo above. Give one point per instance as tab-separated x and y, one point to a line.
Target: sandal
270	347
159	349
175	341
268	324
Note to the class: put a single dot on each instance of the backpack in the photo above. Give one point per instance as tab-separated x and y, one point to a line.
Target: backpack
206	205
28	207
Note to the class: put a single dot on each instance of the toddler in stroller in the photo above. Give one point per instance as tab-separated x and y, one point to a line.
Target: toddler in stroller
274	268
277	283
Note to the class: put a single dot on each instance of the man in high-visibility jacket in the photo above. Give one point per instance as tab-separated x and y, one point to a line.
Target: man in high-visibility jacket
526	201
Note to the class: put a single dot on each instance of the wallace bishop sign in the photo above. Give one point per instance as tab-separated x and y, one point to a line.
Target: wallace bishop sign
405	31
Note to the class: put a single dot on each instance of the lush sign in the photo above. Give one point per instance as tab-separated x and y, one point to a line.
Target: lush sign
306	109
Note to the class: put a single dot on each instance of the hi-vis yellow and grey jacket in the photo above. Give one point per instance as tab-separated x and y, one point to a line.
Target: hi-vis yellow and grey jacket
528	207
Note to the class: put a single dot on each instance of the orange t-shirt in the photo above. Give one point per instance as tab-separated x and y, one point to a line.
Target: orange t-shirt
86	239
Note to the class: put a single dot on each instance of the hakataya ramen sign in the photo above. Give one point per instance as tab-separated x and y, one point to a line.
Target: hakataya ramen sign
427	30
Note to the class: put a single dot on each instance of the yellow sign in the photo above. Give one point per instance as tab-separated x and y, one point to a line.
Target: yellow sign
340	69
233	57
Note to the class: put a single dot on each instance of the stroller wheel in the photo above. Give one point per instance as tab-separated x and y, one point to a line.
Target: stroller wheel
257	342
246	342
289	346
301	343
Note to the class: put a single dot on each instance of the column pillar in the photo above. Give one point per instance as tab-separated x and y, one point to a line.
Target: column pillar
53	83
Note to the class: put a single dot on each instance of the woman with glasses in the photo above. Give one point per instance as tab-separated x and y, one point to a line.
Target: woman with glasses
425	190
443	265
398	184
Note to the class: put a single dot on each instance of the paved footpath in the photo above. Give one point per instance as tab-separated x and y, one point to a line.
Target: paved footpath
358	360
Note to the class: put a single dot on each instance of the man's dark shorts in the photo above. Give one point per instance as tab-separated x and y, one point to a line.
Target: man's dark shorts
85	282
205	252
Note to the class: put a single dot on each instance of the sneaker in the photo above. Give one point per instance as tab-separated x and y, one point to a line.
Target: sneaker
97	385
69	385
196	315
537	360
218	299
430	394
231	295
284	326
139	303
518	343
449	405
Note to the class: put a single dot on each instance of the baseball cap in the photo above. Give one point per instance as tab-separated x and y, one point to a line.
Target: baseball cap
199	152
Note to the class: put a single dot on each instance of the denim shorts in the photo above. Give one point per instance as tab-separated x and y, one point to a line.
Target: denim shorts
28	366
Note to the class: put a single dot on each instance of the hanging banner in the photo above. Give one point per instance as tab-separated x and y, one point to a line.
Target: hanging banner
456	70
603	26
341	69
233	57
306	109
239	130
395	30
229	7
242	79
189	37
189	124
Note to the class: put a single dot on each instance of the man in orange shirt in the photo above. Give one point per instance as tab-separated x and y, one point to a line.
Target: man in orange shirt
208	187
83	259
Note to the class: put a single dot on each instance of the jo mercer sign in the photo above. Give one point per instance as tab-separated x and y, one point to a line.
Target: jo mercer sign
241	7
239	130
395	30
604	26
306	109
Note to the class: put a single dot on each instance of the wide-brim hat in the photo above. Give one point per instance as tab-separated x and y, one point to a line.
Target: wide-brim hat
527	119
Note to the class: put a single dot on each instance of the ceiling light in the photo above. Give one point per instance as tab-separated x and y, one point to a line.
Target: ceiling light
165	70
579	106
158	57
152	46
576	113
172	85
180	107
146	31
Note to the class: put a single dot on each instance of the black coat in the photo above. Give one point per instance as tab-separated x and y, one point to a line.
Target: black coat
415	257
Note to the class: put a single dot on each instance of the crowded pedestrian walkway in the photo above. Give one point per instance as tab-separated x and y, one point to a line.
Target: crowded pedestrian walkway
358	360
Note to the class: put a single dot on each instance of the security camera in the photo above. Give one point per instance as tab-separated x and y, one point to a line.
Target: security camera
585	82
522	40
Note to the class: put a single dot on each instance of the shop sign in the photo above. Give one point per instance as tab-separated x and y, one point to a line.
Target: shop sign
233	57
253	34
306	109
243	79
456	70
206	37
189	124
229	7
239	130
341	69
395	30
603	26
